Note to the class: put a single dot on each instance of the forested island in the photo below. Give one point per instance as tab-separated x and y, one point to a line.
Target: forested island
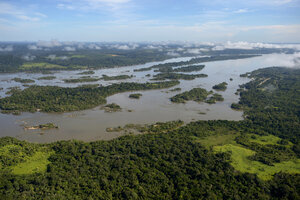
113	107
42	127
20	80
119	77
221	86
177	76
47	78
214	98
82	79
59	99
198	95
90	72
190	68
195	94
255	158
135	96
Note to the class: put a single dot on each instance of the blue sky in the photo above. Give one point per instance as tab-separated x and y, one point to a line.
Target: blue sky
151	20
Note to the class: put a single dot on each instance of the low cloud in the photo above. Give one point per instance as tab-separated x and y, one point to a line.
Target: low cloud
33	47
125	46
152	47
94	46
241	11
258	45
7	48
54	57
69	48
49	44
193	51
285	60
28	57
172	53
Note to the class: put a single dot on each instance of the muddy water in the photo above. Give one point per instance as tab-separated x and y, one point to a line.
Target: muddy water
153	106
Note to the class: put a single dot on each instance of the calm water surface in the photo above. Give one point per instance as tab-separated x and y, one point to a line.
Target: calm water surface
152	107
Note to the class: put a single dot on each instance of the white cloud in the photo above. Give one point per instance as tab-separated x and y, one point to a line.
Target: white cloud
94	46
33	47
49	44
28	57
257	45
7	48
26	18
152	47
70	49
9	9
193	51
284	60
88	5
172	53
241	11
125	46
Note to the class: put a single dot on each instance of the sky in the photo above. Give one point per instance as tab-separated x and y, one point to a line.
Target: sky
270	21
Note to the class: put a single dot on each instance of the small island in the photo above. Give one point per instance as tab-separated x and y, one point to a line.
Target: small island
195	94
20	80
86	73
175	90
214	98
221	86
135	96
47	78
113	107
120	77
81	79
42	127
175	76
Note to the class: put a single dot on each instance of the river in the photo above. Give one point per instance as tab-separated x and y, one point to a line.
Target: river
153	106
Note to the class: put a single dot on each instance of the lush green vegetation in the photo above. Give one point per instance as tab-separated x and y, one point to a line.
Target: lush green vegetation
81	79
241	162
80	59
172	164
221	86
214	98
158	127
119	77
59	99
47	78
22	158
87	73
196	94
113	107
20	80
175	90
190	68
236	106
271	102
43	126
135	95
176	76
